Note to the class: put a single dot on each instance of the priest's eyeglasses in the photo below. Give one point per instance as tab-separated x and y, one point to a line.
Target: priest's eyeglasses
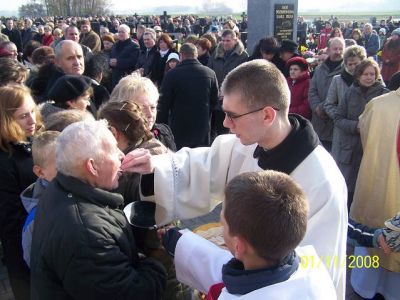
232	117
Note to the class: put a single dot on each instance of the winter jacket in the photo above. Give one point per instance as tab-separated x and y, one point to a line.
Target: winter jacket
15	175
47	40
324	37
148	61
204	59
91	40
160	66
371	44
317	95
30	199
222	65
348	152
27	35
363	235
390	59
163	133
337	89
299	95
126	52
15	36
83	247
188	94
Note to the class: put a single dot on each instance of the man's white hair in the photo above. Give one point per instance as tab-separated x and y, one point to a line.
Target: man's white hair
368	25
79	142
151	32
126	27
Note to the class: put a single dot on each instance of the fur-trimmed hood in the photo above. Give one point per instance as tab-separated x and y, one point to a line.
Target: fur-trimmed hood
238	50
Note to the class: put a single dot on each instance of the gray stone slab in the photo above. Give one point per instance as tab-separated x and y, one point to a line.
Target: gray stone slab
261	20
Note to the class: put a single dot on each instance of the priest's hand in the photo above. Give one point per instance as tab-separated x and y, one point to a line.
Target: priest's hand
138	161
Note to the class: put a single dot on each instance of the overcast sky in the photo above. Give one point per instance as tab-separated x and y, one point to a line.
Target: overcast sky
237	5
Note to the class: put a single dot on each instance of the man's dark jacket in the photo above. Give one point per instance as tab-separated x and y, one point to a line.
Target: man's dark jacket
83	247
188	94
15	36
126	52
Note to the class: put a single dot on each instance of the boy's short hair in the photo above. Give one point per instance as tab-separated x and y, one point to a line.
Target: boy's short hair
267	209
43	146
61	119
259	83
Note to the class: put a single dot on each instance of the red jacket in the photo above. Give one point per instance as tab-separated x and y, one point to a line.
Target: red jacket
47	40
390	61
299	96
323	38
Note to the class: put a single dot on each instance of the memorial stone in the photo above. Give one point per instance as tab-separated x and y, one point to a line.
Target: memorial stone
271	18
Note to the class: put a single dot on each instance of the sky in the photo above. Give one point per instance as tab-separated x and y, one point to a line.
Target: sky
237	5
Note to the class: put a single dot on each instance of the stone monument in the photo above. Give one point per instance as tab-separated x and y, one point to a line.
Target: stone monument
271	18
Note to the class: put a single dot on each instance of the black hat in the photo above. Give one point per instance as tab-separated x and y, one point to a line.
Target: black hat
68	87
289	46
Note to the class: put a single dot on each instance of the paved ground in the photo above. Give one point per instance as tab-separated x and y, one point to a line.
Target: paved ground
5	289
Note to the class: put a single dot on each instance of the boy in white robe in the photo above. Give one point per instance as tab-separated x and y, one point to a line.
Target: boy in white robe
264	218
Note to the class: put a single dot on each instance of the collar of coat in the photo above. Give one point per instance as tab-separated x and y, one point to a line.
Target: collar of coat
285	157
240	282
238	50
302	78
83	190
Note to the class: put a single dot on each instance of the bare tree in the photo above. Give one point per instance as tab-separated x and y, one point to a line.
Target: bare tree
76	7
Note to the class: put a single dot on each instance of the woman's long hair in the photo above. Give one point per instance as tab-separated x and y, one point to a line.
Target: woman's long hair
11	98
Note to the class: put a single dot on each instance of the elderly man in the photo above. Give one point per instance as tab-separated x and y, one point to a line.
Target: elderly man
256	102
148	57
83	246
27	35
188	109
124	55
319	88
68	61
69	58
89	38
371	41
228	55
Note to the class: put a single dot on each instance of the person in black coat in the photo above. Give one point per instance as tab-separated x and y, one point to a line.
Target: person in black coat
19	120
203	48
188	94
124	55
95	69
149	57
13	34
83	246
287	50
165	48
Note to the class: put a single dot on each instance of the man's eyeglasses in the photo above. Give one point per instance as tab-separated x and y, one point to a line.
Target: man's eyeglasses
233	117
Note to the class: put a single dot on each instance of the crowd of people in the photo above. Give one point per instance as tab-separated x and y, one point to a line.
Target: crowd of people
299	140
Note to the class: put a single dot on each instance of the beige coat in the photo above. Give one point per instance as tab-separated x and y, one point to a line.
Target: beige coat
377	193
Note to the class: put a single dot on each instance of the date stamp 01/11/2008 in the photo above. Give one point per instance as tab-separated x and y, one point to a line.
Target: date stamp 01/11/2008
350	261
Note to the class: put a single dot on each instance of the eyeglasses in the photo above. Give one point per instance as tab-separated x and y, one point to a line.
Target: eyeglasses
233	117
